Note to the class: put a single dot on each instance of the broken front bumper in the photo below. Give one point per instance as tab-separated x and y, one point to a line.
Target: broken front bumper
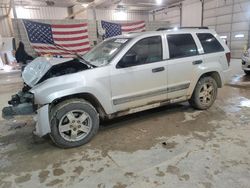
23	104
42	121
20	104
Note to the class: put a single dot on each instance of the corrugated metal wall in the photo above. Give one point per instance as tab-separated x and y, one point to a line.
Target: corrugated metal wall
106	14
34	13
102	14
191	13
5	29
172	15
229	18
42	13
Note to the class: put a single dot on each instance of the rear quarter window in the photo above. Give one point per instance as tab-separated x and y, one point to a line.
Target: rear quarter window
209	43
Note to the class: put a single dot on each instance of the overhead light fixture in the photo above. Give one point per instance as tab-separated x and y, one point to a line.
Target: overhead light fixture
120	15
239	36
158	2
22	12
175	28
85	5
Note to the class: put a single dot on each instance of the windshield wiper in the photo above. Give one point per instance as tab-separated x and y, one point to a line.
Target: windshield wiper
84	61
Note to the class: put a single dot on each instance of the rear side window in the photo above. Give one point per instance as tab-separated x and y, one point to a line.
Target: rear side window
209	43
181	45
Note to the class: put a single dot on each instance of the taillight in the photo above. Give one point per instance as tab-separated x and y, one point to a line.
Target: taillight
228	56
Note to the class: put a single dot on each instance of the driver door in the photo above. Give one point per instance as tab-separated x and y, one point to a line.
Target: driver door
140	78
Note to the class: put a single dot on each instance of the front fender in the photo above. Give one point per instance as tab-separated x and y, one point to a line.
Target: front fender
63	86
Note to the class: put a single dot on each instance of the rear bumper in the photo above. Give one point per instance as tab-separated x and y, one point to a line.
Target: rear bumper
226	75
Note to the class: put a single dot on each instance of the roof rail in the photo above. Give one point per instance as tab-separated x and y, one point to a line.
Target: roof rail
171	28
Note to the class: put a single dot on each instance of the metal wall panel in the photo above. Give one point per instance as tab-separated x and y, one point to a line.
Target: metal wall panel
229	18
33	13
191	18
42	13
106	14
172	15
5	30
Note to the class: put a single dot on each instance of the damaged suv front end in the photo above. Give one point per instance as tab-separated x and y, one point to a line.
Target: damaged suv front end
41	77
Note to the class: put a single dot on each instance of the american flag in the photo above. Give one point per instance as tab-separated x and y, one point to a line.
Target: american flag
64	40
114	29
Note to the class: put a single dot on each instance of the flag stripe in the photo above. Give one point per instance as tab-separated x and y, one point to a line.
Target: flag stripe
58	50
134	26
71	36
69	25
60	47
60	53
134	23
71	42
75	45
70	39
69	29
134	29
69	32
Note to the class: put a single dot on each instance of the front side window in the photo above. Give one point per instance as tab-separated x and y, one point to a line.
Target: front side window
145	51
209	43
104	52
181	45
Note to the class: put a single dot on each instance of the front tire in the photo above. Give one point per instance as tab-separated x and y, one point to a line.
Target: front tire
247	72
73	123
204	93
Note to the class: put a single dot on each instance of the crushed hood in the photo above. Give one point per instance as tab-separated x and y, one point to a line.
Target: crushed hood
36	69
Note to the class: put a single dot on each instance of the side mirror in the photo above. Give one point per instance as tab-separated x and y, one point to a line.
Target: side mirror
128	60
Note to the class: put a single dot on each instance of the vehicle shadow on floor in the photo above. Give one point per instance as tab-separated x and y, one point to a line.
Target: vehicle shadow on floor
146	115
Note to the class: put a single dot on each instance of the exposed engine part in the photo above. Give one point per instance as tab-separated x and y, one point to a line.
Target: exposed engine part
69	67
21	97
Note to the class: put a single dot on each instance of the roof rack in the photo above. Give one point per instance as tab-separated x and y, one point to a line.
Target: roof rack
171	28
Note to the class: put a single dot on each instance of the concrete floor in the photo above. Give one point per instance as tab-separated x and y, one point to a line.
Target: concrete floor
173	146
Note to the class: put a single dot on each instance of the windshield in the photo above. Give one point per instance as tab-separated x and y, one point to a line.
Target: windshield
103	53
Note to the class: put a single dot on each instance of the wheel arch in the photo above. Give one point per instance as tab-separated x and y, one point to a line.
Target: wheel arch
86	96
215	75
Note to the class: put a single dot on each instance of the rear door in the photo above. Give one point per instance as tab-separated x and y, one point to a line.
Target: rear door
183	60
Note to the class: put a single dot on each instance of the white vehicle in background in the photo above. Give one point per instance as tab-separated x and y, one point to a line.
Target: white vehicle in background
246	62
122	75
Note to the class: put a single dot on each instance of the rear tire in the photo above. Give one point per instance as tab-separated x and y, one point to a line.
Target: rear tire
247	72
73	122
204	93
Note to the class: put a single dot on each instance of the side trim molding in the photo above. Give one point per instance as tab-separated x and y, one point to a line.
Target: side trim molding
150	94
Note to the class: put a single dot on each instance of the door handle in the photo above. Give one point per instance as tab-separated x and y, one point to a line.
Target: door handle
159	69
197	62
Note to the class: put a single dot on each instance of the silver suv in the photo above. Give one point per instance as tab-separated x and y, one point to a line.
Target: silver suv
120	76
